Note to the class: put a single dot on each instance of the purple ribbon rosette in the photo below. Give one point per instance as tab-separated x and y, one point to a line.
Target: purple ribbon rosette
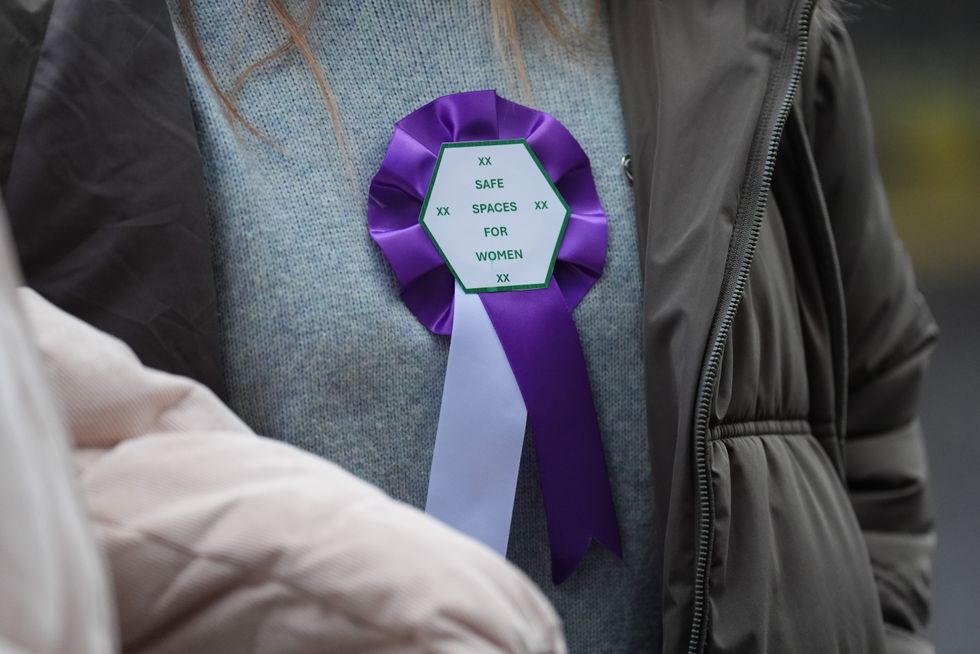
534	325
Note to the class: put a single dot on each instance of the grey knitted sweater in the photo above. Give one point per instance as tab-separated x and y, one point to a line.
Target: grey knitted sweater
319	350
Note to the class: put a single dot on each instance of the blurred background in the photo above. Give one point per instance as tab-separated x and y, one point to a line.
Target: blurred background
921	62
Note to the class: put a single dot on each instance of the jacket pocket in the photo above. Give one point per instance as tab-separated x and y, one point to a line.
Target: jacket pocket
790	571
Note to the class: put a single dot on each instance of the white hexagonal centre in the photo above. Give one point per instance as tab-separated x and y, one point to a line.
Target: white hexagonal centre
494	215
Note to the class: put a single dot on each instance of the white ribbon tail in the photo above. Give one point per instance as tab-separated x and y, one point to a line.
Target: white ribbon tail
480	435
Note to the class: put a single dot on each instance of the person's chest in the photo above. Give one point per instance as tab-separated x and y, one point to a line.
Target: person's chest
299	279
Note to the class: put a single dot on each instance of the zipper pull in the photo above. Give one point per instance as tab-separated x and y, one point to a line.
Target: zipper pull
627	163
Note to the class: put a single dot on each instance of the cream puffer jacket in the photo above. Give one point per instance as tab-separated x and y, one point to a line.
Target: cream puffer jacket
216	540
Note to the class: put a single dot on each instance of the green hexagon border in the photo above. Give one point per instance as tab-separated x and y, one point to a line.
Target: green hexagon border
544	173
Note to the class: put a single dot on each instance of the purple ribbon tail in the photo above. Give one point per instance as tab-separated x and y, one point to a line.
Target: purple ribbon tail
541	342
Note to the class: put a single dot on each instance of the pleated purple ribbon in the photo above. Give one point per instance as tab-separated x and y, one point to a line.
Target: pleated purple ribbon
535	327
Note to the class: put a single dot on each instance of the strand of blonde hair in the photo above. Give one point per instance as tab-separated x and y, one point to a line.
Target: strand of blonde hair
506	33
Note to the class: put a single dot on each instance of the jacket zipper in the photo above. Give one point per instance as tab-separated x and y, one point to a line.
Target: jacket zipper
705	501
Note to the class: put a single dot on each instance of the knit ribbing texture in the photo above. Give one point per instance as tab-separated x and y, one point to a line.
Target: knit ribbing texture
319	350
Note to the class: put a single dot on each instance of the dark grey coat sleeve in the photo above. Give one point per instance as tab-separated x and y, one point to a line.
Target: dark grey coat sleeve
22	26
891	334
102	177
